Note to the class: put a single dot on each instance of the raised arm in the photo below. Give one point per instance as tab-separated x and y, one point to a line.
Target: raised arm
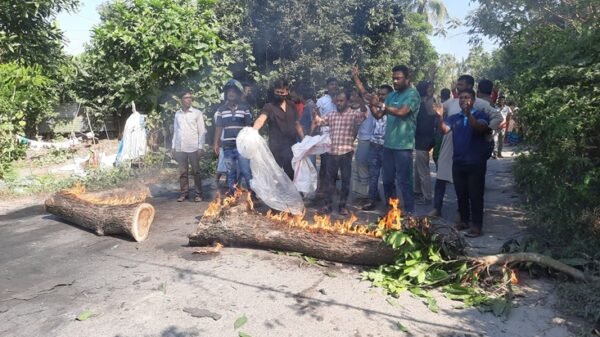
439	110
356	78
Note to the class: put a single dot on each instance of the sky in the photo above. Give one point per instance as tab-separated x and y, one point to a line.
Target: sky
77	29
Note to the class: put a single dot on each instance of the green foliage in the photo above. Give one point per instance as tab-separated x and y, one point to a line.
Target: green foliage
54	156
147	51
28	33
552	67
550	63
422	264
308	42
26	98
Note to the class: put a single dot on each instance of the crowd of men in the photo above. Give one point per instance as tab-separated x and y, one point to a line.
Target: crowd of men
391	132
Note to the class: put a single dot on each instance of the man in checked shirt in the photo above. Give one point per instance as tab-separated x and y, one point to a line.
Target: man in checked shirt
343	125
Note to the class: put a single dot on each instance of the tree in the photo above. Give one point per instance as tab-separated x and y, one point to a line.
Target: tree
434	10
445	72
28	32
26	98
550	58
311	41
147	51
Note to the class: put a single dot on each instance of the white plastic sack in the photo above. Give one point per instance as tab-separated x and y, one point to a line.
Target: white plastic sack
305	172
269	181
133	143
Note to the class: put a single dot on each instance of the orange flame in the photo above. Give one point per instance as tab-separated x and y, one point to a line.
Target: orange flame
216	206
513	277
392	219
320	223
129	199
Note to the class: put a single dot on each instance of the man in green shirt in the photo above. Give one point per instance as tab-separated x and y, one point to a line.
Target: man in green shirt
401	108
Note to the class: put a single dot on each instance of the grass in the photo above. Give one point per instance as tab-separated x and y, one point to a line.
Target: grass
94	179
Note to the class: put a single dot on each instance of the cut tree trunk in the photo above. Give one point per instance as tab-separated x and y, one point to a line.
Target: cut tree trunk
131	219
239	227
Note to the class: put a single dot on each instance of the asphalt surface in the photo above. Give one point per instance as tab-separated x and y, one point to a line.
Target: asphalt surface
52	271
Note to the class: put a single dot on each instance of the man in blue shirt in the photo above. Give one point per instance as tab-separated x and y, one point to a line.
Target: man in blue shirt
471	152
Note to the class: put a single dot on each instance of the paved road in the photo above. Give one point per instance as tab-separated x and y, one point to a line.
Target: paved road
50	271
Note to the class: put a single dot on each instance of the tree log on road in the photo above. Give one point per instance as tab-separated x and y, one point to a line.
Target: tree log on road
242	228
131	218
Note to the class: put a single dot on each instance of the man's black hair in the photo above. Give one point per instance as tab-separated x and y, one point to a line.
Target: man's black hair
445	93
402	68
387	87
467	78
422	88
280	83
469	91
345	92
305	90
502	96
331	79
485	87
185	92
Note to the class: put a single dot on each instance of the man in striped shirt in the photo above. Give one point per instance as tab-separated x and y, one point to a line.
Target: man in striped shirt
230	118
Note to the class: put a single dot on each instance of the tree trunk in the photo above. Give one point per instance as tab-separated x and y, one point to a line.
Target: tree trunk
238	227
131	219
502	259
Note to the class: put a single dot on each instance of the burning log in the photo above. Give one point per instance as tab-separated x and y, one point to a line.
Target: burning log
113	215
239	225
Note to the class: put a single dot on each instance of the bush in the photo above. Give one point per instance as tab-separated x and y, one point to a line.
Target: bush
560	177
26	98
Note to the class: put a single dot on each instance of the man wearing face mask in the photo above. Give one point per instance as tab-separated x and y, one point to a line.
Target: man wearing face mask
343	125
284	128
